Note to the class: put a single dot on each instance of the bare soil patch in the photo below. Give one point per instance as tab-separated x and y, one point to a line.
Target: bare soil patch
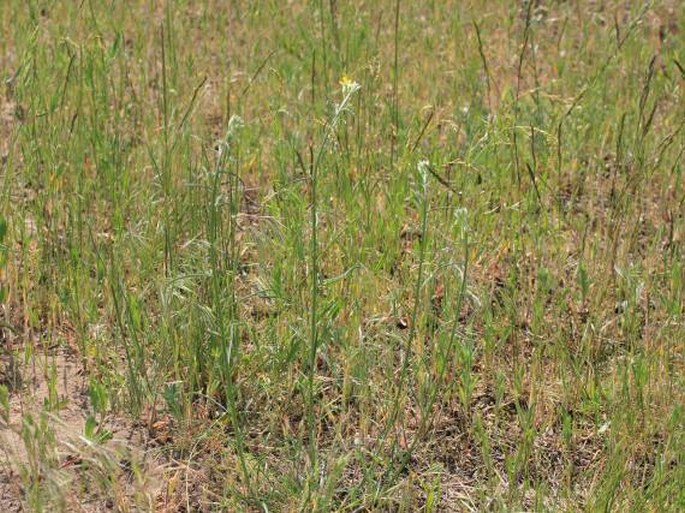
45	455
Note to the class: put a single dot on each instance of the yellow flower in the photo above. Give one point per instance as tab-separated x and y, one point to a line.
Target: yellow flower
345	80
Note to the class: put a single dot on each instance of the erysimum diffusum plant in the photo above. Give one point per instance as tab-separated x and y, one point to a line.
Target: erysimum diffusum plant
349	88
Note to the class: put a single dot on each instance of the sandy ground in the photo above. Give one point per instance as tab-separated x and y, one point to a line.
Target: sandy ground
44	444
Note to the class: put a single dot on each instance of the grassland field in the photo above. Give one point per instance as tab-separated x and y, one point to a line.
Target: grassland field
342	256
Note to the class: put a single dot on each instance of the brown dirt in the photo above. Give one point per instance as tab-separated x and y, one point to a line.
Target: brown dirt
44	453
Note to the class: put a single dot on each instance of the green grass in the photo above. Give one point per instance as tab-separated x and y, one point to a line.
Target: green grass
458	287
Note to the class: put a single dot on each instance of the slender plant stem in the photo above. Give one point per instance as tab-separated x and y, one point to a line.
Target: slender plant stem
395	86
